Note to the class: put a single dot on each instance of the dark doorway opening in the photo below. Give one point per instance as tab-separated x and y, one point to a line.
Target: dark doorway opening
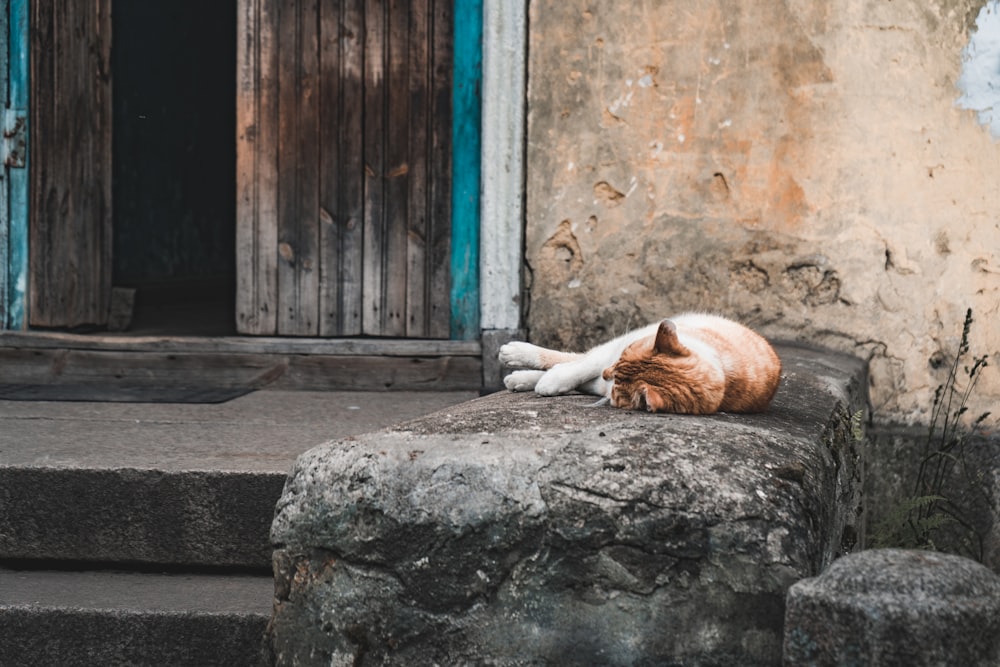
174	163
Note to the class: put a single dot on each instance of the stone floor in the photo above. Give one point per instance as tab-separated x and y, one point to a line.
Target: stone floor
261	432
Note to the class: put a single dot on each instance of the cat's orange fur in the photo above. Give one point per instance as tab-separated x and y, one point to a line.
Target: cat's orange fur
692	363
661	374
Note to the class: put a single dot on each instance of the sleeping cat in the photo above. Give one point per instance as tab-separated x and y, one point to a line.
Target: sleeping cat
691	363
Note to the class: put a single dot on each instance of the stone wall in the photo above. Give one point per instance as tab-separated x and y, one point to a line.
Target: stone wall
971	483
799	164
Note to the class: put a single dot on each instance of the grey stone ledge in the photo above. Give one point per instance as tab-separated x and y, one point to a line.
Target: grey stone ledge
520	530
890	607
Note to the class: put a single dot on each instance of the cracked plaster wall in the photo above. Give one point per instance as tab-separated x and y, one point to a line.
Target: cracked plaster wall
798	164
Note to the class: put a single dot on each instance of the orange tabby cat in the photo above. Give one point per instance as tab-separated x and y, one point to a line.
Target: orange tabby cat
691	363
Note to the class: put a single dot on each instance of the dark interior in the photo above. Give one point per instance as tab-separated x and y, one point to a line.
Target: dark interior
174	162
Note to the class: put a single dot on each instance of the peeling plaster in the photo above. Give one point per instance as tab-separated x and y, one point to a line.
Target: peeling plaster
980	79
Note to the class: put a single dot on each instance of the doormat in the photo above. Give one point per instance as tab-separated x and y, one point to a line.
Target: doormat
122	393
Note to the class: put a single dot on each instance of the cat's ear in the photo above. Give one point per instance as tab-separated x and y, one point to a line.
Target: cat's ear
667	341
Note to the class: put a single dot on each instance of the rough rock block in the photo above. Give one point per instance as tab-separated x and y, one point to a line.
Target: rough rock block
518	530
893	607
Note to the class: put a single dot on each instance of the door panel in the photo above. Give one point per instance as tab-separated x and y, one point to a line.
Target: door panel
298	168
342	185
343	167
70	166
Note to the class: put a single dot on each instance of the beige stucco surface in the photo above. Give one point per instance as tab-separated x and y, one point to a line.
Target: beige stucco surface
797	164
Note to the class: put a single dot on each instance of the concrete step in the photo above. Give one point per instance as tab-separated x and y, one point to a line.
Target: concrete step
176	484
53	618
153	487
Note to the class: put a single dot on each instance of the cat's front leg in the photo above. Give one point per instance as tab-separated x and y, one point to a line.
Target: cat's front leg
519	354
564	378
522	380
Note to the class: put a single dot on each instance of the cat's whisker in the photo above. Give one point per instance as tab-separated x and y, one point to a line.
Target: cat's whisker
601	401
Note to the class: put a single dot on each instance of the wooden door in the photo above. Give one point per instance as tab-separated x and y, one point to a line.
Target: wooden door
70	201
343	167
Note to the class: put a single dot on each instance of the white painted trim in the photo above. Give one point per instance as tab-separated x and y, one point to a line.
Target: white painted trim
502	203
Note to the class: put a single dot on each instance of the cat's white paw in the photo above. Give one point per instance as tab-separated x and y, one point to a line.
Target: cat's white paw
522	380
520	355
557	381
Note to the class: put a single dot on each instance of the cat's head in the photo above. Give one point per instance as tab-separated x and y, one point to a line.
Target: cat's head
659	374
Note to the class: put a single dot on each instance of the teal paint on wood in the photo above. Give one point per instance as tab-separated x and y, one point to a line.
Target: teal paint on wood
4	217
466	141
16	111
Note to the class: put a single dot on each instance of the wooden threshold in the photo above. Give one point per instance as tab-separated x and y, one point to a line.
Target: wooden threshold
317	364
392	347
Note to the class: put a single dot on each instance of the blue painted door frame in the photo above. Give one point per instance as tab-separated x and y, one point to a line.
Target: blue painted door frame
466	168
14	196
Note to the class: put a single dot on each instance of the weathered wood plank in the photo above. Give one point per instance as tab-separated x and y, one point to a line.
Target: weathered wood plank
298	169
397	167
276	371
352	167
440	171
70	228
391	347
78	367
331	315
341	168
374	307
419	75
256	168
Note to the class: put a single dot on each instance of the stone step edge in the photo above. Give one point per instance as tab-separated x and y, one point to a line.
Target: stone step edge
132	618
195	518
